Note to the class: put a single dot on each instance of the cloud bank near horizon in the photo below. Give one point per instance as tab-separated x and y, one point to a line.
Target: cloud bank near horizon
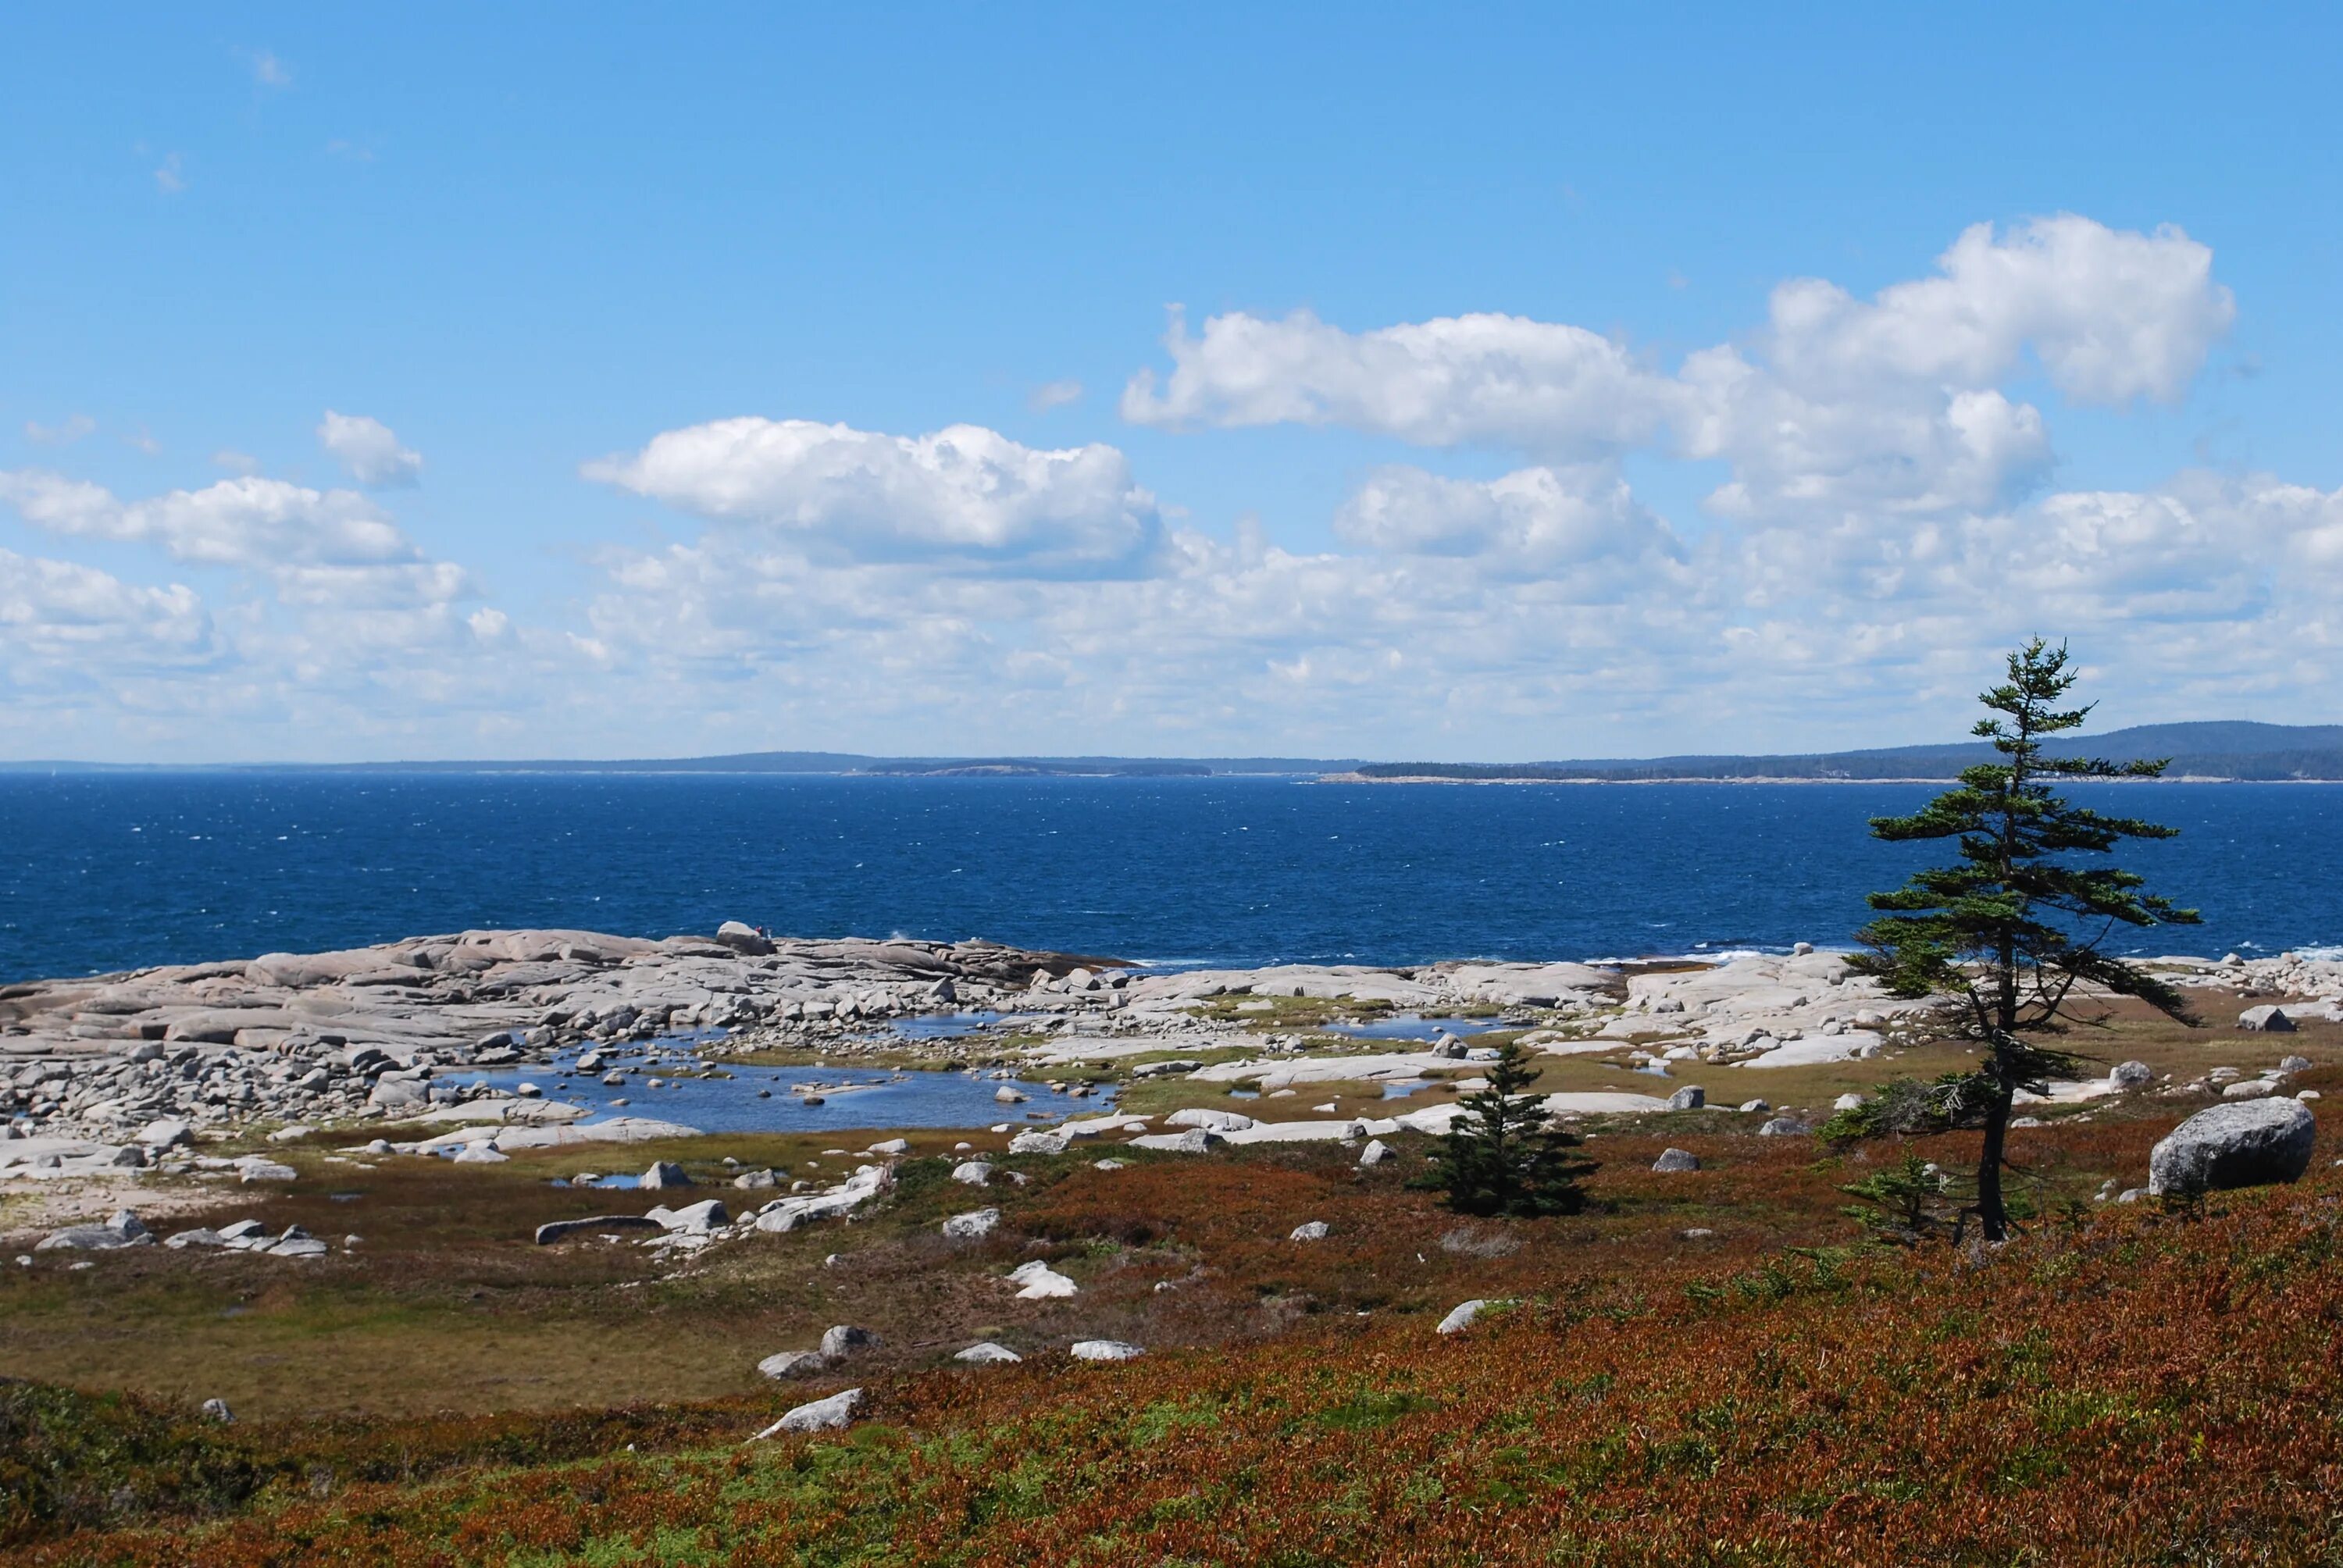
1878	520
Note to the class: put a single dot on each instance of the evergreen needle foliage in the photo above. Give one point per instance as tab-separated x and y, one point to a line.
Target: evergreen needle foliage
1504	1155
2012	930
1906	1203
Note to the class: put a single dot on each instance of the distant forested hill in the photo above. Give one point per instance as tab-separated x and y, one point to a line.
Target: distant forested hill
2218	748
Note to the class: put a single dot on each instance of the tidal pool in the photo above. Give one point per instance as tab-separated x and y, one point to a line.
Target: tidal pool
777	1099
1415	1026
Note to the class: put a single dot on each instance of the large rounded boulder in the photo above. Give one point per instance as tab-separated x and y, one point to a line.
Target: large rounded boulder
2248	1144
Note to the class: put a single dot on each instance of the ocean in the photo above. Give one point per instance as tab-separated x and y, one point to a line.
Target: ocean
103	872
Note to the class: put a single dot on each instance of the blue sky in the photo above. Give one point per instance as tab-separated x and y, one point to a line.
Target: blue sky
639	335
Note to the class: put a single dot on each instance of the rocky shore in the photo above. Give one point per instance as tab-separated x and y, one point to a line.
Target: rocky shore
113	1071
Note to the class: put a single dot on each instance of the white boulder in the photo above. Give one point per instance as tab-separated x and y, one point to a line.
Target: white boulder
820	1415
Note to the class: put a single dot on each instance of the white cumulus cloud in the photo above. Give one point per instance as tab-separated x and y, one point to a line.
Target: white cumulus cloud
52	608
368	450
1554	521
2111	315
965	492
1499	380
1837	405
258	523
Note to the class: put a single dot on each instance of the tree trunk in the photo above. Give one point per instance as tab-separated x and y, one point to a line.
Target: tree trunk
1993	1218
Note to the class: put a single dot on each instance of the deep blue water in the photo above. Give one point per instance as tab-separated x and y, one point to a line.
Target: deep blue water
103	872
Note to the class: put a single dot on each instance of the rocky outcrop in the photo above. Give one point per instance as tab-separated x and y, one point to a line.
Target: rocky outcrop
561	1230
1766	1008
388	1032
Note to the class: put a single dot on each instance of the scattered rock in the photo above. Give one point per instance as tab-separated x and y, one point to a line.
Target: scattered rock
971	1225
666	1173
1311	1231
257	1169
1215	1120
217	1410
85	1239
1691	1097
1117	1165
705	1215
2130	1074
1463	1316
891	1147
1783	1127
1104	1350
987	1353
742	938
845	1339
1376	1152
1674	1160
2228	1146
1195	1140
2294	1064
820	1415
974	1172
2266	1019
1754	1108
756	1180
1038	1281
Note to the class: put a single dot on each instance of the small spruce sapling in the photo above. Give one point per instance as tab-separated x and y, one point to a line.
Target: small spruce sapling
1907	1203
1504	1155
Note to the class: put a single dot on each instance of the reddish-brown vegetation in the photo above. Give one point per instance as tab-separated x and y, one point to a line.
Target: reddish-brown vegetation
2121	1387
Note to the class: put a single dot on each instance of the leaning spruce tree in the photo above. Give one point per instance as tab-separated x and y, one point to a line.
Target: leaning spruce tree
1503	1155
2017	928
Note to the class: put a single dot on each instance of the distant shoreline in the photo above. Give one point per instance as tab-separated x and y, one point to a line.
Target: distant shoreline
2196	751
1768	779
964	775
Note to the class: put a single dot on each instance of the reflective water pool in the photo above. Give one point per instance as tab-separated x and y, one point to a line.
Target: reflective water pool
1415	1026
784	1098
